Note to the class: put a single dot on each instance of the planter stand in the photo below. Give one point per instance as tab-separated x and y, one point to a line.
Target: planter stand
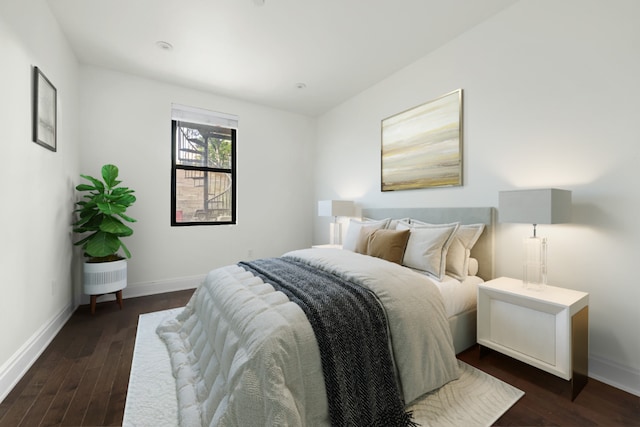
118	295
105	278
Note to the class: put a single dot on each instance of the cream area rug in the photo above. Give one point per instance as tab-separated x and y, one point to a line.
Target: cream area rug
475	399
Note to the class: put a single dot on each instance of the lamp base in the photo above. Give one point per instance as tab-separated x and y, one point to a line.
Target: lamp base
335	233
535	263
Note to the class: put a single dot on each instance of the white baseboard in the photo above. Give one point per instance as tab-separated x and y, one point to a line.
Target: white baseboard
162	286
616	375
14	369
141	289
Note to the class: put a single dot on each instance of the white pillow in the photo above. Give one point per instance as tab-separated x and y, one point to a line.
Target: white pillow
460	250
403	224
394	223
427	247
473	267
353	231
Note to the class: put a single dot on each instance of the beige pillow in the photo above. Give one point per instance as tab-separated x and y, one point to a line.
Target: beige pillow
460	250
363	238
388	244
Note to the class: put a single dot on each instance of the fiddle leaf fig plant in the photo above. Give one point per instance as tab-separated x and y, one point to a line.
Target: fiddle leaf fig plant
101	213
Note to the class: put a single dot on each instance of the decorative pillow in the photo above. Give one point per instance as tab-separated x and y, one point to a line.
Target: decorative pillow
388	244
353	231
405	223
473	267
427	247
394	223
363	238
460	250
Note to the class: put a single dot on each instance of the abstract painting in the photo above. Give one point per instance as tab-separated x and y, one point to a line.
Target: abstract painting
422	147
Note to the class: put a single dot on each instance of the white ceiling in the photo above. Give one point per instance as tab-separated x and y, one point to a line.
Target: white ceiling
259	53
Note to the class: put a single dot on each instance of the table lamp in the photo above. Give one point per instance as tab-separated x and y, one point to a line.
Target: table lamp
540	206
335	208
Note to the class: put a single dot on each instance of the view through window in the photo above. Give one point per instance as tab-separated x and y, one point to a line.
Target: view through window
203	174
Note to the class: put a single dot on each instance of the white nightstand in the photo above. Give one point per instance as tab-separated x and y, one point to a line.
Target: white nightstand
547	328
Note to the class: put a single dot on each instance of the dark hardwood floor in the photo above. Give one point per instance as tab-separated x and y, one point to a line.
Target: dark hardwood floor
81	379
547	399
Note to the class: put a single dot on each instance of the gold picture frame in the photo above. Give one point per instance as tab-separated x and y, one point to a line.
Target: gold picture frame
422	146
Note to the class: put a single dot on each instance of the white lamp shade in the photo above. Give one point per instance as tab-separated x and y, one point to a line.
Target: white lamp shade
543	206
335	208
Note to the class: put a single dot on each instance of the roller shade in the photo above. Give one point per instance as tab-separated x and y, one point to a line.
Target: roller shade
204	117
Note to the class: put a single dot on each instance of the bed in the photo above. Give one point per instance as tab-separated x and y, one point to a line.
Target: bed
243	353
461	321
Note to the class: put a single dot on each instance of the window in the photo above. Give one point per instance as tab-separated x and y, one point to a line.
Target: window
203	171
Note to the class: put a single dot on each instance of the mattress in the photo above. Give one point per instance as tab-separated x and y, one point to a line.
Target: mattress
459	296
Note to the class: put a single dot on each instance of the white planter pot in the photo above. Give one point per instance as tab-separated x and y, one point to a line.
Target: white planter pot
104	277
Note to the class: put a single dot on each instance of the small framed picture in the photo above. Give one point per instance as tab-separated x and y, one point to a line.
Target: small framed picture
44	110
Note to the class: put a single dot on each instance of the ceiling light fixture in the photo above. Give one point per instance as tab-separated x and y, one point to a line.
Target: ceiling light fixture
164	45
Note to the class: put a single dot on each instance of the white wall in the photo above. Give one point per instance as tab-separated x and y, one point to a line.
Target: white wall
126	120
550	99
36	187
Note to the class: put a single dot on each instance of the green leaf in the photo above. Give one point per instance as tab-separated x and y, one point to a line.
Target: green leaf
102	244
111	208
127	218
89	223
79	226
125	200
81	242
90	207
109	174
115	226
120	191
126	250
97	183
85	187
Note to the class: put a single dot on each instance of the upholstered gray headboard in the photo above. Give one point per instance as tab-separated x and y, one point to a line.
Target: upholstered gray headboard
483	249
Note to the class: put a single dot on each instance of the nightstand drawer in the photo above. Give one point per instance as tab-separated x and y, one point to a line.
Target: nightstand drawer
508	321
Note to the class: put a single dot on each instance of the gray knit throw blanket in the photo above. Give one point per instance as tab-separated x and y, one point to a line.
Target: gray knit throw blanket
351	329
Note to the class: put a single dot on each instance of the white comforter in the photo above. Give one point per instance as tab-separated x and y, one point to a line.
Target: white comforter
244	355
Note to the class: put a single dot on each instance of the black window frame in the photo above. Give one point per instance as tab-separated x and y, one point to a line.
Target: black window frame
175	167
